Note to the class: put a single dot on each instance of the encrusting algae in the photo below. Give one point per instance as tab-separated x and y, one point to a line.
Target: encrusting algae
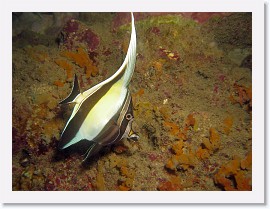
100	182
125	182
233	176
182	159
59	83
37	54
67	67
209	145
173	184
176	131
81	58
242	95
227	123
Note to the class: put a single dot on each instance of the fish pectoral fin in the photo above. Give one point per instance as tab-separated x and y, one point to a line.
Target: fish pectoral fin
75	91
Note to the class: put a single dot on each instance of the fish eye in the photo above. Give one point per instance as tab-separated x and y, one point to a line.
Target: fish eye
129	116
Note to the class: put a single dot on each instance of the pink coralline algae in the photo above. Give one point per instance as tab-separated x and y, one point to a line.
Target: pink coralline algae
91	39
75	33
71	26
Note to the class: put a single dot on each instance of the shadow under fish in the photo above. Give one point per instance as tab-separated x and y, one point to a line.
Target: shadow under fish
103	114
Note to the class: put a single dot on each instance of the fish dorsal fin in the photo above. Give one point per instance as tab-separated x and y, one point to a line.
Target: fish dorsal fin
74	93
127	66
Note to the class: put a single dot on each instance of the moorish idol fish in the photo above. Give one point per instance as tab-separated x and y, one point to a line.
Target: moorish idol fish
102	114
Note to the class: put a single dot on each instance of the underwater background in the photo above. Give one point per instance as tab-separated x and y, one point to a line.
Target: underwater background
191	91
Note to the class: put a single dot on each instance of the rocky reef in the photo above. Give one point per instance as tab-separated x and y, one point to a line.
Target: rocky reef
192	96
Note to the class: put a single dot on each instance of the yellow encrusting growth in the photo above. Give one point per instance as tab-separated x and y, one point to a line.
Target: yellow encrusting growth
128	174
209	145
179	159
100	182
227	124
81	58
66	66
233	171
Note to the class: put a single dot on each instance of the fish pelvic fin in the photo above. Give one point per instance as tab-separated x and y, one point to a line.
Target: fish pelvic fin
92	150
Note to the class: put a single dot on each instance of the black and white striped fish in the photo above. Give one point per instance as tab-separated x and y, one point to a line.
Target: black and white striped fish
103	114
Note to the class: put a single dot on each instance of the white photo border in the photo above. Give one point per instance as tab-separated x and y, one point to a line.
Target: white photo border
257	195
